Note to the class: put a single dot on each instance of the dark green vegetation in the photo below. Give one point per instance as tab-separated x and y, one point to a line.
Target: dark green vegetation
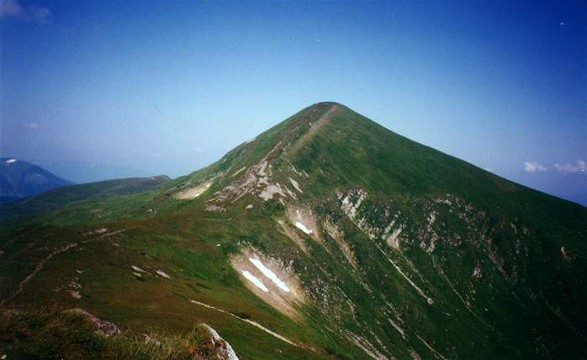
60	335
390	250
76	195
19	179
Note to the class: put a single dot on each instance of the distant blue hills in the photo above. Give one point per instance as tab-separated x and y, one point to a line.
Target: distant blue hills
20	179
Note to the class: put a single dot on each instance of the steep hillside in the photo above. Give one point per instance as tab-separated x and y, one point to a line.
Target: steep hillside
327	236
19	179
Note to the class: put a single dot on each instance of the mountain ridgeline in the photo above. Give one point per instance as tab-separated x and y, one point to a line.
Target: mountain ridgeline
325	237
19	179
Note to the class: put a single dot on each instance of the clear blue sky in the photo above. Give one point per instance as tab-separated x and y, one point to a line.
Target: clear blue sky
167	87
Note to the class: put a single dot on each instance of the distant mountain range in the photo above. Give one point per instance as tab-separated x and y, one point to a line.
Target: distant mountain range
325	237
85	172
19	179
60	197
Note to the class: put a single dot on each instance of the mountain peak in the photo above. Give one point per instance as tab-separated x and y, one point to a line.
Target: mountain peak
329	234
314	112
323	104
19	179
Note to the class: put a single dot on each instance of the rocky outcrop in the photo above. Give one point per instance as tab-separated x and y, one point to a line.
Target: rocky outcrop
101	327
220	348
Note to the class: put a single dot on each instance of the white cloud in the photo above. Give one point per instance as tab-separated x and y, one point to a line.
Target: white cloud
32	126
578	167
34	13
533	167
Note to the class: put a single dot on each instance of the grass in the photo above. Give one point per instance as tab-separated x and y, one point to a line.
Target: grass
59	335
481	220
70	195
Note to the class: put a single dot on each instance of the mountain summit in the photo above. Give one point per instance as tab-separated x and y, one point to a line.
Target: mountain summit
327	236
19	179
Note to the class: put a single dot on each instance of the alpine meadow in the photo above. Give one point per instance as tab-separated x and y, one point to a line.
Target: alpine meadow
327	236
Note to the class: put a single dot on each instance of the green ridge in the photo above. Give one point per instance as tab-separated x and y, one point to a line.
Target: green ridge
413	254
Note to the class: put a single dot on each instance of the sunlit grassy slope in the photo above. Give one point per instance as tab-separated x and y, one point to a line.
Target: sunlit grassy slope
413	253
73	194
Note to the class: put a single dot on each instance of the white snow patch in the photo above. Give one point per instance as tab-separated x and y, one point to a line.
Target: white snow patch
163	274
274	273
252	278
10	161
295	170
305	221
303	227
269	274
295	184
137	269
194	192
198	193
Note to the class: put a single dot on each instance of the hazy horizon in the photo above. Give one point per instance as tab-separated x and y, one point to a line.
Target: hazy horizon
169	87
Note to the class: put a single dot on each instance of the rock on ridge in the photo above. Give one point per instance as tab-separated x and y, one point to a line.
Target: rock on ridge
222	348
101	327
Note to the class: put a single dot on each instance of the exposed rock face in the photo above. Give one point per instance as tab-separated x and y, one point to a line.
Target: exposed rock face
368	245
271	279
103	328
194	191
222	349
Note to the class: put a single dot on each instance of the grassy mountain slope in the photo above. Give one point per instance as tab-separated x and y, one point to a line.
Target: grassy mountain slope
385	249
60	197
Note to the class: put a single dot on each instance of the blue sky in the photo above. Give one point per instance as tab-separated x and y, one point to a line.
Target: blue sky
169	87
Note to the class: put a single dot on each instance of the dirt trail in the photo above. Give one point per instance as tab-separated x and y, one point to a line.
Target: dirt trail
42	263
314	128
38	268
251	322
